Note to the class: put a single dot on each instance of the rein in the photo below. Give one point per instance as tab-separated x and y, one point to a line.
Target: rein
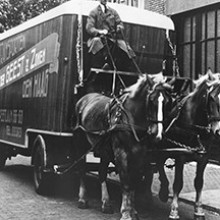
118	116
192	127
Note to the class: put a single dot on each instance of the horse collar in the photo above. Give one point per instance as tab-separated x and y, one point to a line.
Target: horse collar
117	116
119	107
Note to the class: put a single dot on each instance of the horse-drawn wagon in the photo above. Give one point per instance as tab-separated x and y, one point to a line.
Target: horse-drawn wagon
45	74
43	70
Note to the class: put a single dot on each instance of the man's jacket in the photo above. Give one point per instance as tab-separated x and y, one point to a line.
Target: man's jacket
98	20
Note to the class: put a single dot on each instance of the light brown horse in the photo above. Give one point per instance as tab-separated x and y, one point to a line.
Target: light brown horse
119	130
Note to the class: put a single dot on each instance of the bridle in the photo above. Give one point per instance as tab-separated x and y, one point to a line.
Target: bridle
211	118
119	102
195	129
150	119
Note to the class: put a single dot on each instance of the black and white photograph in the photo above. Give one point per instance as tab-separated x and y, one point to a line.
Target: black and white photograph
109	110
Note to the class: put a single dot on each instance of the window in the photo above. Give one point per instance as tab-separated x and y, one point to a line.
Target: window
199	41
134	3
188	46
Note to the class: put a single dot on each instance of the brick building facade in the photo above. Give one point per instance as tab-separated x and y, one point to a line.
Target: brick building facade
152	5
156	6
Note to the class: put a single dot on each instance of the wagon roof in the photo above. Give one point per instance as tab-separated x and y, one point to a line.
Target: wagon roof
82	7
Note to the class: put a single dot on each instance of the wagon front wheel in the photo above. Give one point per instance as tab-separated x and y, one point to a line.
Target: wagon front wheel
38	172
42	181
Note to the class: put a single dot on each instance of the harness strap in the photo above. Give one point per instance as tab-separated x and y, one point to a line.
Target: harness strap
213	118
115	127
179	108
200	149
127	114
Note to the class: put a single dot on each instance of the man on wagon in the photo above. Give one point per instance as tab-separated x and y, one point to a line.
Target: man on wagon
106	43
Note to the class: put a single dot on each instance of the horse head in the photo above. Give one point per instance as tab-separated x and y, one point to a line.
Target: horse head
209	88
149	96
158	105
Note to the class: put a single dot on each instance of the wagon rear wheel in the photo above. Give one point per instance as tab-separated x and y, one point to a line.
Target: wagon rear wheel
3	156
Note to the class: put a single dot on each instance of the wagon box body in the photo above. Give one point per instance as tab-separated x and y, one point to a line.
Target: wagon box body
42	63
32	86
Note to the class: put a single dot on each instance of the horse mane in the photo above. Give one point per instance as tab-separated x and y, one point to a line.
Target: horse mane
135	88
209	78
158	78
154	80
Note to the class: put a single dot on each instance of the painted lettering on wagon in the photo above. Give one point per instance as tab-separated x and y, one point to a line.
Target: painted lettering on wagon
45	52
11	47
36	86
22	65
13	119
13	131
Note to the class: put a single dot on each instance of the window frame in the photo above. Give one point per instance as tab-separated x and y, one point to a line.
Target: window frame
199	64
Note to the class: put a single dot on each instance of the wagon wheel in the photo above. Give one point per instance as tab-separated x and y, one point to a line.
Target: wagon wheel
41	179
3	156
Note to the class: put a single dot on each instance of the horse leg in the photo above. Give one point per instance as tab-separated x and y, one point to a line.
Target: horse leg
127	210
128	178
198	183
177	187
143	193
106	206
82	202
164	186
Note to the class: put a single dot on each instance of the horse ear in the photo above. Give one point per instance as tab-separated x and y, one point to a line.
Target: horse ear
134	89
150	80
172	81
158	78
210	74
213	82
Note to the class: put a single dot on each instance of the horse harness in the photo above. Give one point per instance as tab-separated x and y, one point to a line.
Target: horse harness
195	129
117	116
114	111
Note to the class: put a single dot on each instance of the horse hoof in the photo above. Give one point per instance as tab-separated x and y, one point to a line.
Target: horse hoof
107	209
136	216
83	205
199	217
199	213
174	218
126	218
164	194
174	215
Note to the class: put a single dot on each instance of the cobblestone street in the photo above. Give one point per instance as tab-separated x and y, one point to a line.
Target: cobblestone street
19	201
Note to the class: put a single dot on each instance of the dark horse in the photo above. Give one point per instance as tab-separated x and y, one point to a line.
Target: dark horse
192	133
119	130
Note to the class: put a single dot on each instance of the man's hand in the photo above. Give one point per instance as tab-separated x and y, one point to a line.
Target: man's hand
103	32
119	29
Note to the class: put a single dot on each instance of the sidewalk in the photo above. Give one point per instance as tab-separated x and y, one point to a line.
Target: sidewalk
211	188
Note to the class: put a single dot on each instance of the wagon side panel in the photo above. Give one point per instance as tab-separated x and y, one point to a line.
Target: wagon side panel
35	80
